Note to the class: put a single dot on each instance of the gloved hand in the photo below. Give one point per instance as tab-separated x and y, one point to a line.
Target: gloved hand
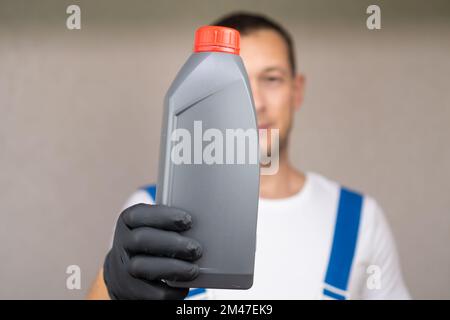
148	249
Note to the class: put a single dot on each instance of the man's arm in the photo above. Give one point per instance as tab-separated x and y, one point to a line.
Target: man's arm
98	289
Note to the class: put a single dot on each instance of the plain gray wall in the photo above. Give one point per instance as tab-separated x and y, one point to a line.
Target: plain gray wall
80	115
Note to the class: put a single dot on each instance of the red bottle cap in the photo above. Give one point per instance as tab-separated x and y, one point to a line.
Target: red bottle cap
218	39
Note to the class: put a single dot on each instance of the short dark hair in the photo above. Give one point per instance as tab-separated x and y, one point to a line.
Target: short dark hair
246	22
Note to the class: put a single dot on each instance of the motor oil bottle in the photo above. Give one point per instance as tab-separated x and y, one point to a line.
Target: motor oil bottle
209	163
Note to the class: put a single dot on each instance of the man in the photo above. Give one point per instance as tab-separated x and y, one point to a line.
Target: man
314	239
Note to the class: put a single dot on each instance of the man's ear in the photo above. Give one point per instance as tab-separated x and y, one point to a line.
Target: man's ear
299	90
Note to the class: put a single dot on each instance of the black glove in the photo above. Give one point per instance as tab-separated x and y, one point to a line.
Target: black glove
148	249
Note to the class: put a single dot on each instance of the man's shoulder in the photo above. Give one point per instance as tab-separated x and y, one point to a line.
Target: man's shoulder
329	188
321	183
372	217
329	185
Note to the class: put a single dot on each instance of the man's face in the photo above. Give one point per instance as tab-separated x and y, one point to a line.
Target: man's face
277	93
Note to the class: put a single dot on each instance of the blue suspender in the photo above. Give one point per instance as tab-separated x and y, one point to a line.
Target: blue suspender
344	244
195	291
151	190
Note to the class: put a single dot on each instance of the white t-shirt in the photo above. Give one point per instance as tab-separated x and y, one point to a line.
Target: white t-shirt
294	239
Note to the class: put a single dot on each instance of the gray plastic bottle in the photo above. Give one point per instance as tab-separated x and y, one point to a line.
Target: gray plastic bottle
212	87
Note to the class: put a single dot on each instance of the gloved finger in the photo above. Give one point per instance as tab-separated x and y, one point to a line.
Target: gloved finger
157	216
158	268
158	242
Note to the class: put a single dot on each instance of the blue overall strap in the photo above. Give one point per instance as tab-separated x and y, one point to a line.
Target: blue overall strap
195	292
151	190
344	244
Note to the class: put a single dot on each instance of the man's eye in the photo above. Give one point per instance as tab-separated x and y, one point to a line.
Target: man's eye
273	79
